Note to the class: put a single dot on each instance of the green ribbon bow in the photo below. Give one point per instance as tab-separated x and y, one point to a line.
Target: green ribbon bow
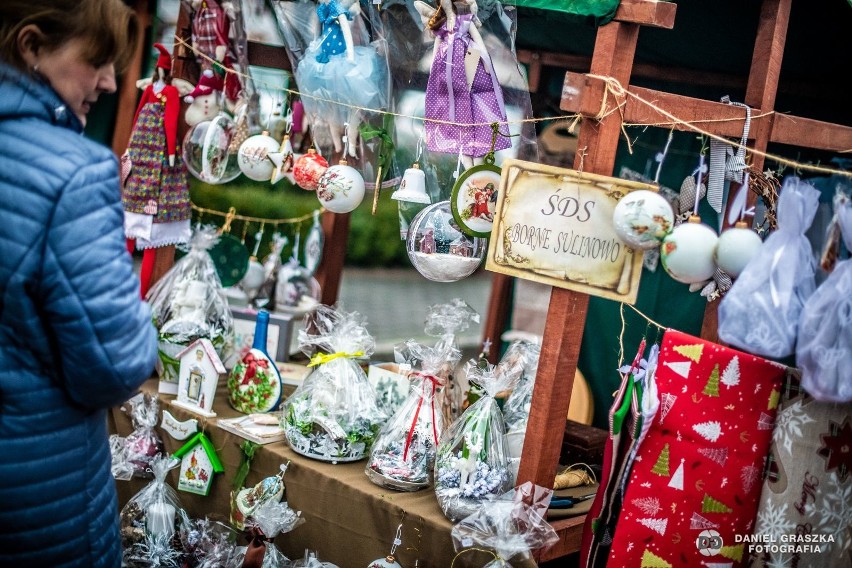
386	146
248	448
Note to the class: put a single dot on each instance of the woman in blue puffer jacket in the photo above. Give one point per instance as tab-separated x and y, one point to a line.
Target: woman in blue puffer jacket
75	338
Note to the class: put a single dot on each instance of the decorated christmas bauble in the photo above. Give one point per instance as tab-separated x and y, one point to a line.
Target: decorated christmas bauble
736	247
687	252
308	170
206	150
386	562
254	156
642	218
341	188
438	248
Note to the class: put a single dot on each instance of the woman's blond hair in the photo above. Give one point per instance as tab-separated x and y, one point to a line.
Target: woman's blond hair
108	28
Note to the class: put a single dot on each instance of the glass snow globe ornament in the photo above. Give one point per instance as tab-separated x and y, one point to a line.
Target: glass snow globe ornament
296	290
254	160
437	247
642	218
207	150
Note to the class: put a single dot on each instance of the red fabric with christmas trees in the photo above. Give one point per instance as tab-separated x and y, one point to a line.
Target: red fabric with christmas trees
701	463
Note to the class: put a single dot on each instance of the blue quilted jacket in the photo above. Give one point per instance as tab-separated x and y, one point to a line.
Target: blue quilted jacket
75	338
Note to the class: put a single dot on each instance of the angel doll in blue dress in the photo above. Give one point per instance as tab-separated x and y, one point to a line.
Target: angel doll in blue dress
339	78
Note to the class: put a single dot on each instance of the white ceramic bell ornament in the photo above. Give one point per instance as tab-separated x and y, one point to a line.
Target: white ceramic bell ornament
736	247
253	156
642	218
412	188
687	252
341	188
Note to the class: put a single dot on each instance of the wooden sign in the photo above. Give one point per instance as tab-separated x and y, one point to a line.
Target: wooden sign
554	226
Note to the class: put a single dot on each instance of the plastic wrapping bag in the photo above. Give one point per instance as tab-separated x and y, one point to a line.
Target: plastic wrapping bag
760	313
404	453
516	410
268	521
143	444
296	291
189	303
446	321
150	520
472	461
824	348
333	416
121	467
207	544
511	525
265	296
426	67
339	52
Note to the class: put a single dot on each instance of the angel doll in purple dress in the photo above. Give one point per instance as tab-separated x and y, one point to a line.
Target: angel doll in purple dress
463	88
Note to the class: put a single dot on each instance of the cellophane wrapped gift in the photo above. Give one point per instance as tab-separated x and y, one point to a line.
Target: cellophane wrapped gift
143	444
760	313
512	525
516	410
121	467
446	321
472	461
824	348
188	303
151	519
207	544
268	521
333	416
404	453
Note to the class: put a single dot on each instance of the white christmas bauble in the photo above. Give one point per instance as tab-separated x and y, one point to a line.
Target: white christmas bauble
341	188
736	247
687	252
255	276
386	562
206	150
438	248
642	218
254	156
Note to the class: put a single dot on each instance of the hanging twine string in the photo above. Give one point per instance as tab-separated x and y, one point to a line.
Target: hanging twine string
231	216
612	85
624	327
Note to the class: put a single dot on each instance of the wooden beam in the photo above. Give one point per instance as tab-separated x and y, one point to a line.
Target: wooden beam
336	229
615	48
583	94
128	94
649	13
265	55
570	531
498	313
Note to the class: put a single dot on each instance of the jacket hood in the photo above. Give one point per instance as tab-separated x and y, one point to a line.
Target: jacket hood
24	97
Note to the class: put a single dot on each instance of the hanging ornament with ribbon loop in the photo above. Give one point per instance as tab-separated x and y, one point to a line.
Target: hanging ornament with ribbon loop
389	561
384	152
474	196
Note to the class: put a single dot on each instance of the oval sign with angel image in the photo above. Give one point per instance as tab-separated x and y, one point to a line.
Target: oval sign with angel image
474	199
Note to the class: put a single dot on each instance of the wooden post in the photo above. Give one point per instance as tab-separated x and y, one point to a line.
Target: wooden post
128	93
598	141
761	90
498	313
335	226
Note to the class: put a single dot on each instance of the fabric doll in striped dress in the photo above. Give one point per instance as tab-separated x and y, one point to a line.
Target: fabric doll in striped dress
156	193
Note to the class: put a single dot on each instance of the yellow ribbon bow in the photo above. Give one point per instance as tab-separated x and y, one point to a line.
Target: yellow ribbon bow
322	358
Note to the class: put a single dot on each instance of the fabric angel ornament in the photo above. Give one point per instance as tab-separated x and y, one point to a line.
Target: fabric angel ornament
156	192
463	87
335	75
212	22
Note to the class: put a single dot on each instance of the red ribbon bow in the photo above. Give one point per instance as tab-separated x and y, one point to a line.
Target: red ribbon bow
252	363
434	382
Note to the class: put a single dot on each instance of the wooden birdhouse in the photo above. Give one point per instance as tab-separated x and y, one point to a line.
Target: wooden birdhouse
199	463
200	370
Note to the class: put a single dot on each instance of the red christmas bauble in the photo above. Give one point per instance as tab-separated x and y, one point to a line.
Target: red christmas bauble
308	170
